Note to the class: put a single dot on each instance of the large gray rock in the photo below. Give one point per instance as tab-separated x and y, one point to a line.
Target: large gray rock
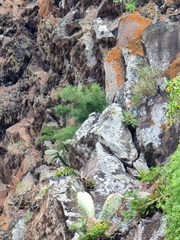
161	41
109	131
153	132
55	210
146	229
109	174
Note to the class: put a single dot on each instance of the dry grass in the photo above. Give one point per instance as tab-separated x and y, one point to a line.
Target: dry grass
17	148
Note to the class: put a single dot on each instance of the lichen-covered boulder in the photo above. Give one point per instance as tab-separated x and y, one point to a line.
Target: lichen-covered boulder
162	45
110	131
109	175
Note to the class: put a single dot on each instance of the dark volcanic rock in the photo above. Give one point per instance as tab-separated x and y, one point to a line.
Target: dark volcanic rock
162	45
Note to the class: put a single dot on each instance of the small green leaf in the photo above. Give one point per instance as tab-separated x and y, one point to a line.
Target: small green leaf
51	158
68	141
50	152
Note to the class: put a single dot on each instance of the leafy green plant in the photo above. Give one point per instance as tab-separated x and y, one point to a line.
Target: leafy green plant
28	217
142	204
90	228
130	5
80	102
128	119
77	104
48	133
173	88
61	155
147	84
43	192
161	191
67	171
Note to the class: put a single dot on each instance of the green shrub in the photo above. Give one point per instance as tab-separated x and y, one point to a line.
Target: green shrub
80	102
65	133
66	171
77	104
48	133
147	84
130	5
173	88
164	195
128	119
141	205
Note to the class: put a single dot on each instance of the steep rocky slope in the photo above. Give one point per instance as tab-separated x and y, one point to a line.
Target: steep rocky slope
45	44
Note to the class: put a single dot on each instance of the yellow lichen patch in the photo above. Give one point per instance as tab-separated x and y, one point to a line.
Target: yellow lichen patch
173	69
130	32
114	59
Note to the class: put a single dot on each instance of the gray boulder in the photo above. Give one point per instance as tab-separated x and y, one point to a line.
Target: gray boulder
107	130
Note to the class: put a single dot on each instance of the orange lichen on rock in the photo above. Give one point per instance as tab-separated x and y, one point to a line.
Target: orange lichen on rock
114	59
45	7
174	68
163	126
5	221
130	32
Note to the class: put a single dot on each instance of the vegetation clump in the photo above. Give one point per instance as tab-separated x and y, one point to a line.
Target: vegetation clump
160	191
129	119
173	89
146	86
90	228
77	104
16	148
130	5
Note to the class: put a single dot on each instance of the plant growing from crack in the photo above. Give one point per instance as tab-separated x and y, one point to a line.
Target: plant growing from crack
130	5
129	119
173	89
90	228
61	155
160	191
147	84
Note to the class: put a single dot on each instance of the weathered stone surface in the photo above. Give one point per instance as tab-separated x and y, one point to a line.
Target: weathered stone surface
19	230
153	132
80	150
162	46
57	208
109	173
130	32
48	221
114	72
45	44
18	54
151	229
140	164
110	132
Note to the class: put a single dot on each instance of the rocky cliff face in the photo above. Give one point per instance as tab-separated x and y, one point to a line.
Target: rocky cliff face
45	44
